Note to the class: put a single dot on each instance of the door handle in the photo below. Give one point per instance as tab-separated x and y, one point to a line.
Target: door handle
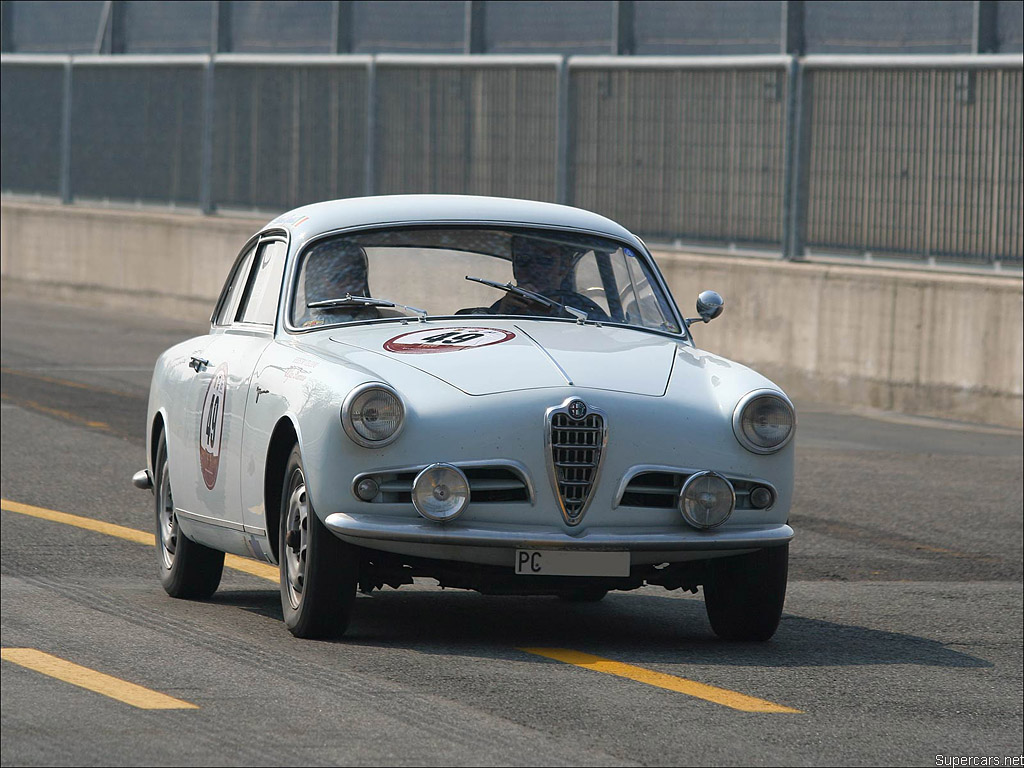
198	364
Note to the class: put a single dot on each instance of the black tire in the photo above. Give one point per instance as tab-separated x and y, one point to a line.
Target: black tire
744	594
319	571
187	570
583	595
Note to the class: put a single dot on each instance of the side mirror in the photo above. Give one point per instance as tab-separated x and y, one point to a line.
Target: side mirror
709	306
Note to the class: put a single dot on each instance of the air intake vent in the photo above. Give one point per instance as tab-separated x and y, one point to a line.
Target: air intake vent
576	446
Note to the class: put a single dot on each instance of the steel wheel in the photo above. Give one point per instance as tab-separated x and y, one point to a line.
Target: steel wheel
187	569
167	523
319	571
296	537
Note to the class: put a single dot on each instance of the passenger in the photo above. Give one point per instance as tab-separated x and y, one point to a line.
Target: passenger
333	269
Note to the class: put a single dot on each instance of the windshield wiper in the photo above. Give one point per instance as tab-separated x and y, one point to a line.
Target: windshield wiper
515	290
348	300
539	298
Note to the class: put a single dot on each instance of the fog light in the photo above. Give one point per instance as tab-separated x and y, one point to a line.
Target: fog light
760	497
440	492
706	500
367	489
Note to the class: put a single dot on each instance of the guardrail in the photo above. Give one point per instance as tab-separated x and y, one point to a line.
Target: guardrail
914	157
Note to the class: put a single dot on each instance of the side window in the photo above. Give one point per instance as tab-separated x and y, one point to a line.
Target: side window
259	305
228	302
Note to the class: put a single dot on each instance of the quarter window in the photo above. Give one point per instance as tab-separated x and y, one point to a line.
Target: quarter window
228	303
259	305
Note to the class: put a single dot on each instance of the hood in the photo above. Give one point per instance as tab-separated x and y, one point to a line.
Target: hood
490	356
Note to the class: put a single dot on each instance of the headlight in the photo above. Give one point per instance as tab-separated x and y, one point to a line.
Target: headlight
372	415
440	492
764	421
706	500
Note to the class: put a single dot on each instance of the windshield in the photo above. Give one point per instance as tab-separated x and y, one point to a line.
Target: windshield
464	271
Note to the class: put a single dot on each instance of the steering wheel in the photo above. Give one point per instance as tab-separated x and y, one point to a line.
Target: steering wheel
579	301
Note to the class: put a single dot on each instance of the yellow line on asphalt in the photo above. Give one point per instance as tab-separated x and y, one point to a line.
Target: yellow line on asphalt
67	383
710	693
91	680
252	567
74	418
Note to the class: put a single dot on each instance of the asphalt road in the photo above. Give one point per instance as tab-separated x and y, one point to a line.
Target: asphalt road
901	642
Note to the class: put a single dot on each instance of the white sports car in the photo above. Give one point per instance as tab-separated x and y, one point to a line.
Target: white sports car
497	394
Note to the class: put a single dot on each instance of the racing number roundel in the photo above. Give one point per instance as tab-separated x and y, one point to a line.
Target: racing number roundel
446	340
211	426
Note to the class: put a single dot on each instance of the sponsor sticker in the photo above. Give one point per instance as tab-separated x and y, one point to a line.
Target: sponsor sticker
211	426
431	340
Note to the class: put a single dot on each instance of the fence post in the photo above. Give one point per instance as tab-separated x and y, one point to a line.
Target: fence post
796	179
6	29
985	34
342	26
65	135
623	35
562	154
206	147
474	32
369	166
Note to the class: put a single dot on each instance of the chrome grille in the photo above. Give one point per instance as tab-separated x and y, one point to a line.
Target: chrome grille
576	447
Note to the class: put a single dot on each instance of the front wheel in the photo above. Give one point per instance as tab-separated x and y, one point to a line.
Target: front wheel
744	594
187	569
319	571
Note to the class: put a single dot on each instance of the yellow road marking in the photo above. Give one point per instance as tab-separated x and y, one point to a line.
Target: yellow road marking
91	680
66	383
252	567
710	693
74	418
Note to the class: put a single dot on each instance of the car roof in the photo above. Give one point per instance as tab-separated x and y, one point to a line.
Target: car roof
315	219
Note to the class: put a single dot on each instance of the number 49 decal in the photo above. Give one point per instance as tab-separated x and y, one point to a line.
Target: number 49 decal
446	340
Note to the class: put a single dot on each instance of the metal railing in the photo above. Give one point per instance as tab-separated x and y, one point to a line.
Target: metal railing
911	157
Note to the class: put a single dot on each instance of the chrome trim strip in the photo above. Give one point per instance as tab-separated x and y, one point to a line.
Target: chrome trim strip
516	467
640	469
364	527
550	461
214	521
346	415
737	416
254	530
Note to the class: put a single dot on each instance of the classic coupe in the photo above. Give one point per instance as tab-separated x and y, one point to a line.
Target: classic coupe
497	394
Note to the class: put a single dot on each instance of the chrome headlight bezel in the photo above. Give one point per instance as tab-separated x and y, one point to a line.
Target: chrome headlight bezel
740	411
691	481
424	477
347	417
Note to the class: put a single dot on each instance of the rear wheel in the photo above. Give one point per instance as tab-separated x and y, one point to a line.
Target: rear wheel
319	571
744	594
187	569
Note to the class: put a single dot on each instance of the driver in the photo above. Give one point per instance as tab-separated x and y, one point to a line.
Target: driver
539	266
332	270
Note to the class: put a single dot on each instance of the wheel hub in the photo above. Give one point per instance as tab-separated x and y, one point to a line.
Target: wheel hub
296	539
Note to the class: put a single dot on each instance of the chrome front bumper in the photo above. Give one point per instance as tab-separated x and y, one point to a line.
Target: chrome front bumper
368	529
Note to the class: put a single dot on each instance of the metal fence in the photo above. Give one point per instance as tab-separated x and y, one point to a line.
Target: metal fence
913	157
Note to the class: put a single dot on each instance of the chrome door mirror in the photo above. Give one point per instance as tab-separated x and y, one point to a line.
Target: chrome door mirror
709	306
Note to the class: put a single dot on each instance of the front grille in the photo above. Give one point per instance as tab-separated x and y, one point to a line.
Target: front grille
487	485
575	459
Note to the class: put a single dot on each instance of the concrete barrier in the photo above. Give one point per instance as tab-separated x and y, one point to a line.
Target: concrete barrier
918	342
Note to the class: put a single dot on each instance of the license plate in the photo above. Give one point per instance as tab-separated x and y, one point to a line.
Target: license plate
555	562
